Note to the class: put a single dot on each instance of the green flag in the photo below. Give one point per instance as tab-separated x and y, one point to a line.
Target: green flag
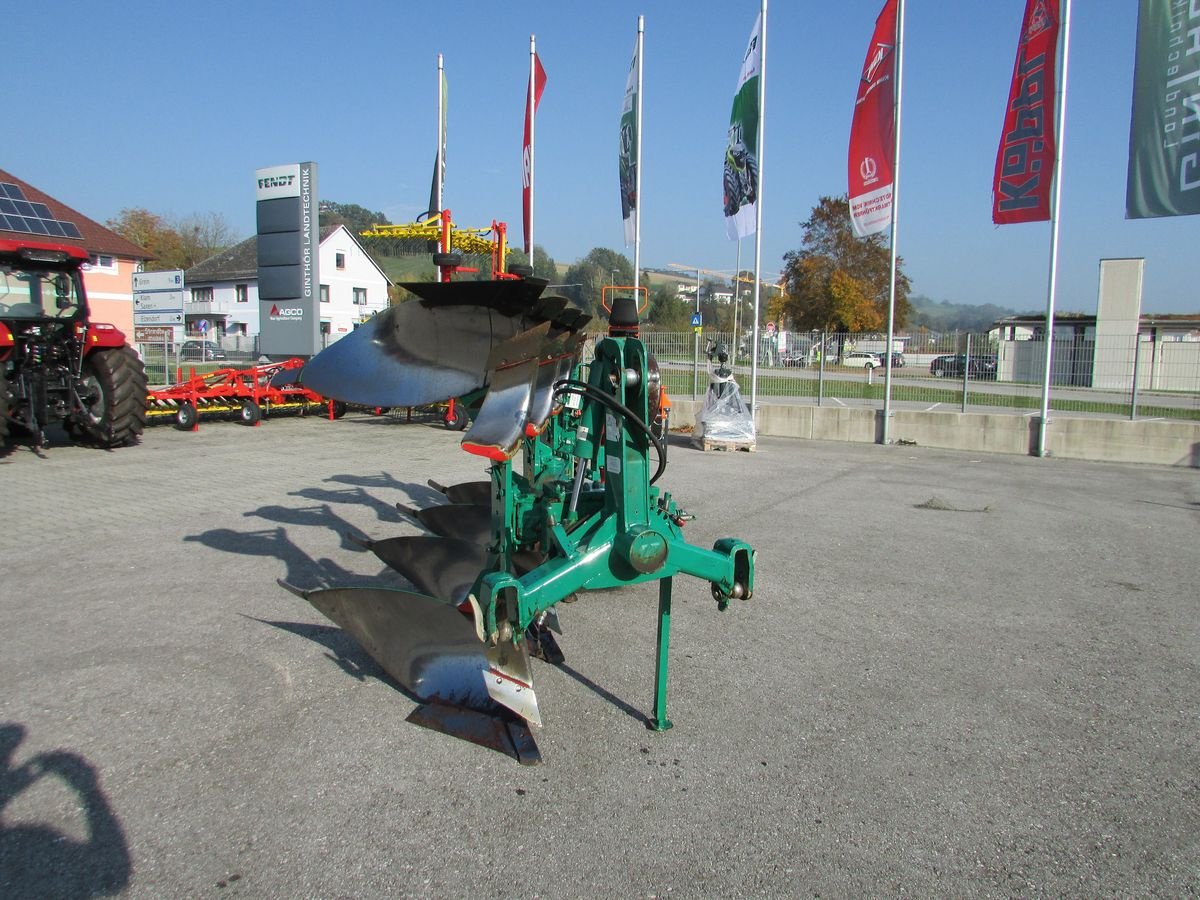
740	179
1164	130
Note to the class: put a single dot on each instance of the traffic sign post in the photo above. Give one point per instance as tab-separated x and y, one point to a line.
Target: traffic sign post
158	301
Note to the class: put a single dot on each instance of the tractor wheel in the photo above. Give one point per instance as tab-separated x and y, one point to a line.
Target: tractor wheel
5	405
458	420
113	396
251	412
185	416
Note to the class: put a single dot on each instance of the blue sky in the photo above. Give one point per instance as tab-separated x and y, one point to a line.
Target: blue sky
172	108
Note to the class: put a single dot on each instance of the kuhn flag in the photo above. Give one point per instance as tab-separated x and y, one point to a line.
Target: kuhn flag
1164	131
1025	160
537	84
740	182
873	131
627	162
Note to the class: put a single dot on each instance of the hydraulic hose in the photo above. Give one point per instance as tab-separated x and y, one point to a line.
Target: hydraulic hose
570	386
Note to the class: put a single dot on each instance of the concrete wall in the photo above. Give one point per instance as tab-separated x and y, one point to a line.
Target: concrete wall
1113	440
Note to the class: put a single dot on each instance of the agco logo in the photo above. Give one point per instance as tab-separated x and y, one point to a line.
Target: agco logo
286	313
868	170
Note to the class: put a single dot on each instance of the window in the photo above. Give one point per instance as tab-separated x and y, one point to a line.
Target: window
202	295
324	293
102	263
243	293
360	296
339	260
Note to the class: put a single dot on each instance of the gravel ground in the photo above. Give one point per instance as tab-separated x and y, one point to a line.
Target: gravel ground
960	675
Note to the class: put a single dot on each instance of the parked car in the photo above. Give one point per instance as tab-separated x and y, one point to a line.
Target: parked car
796	359
952	366
897	359
861	359
201	350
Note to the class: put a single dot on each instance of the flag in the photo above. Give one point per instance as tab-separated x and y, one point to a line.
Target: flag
740	182
438	187
627	162
1164	129
873	131
537	85
1028	144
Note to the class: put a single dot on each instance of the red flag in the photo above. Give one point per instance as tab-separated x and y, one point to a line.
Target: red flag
1025	160
873	130
538	84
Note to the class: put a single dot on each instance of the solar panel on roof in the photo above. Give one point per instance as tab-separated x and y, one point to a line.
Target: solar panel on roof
18	214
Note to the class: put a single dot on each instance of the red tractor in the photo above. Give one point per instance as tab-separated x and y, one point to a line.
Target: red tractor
55	364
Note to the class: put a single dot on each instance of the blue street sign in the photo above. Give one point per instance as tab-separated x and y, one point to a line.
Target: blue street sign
697	320
202	326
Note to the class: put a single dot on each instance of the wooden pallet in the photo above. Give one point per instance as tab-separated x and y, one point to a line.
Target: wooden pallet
707	444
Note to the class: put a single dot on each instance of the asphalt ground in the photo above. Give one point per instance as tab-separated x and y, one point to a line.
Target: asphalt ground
960	675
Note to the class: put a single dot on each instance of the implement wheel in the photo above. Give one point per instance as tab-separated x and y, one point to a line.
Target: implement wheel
112	394
457	420
250	413
185	416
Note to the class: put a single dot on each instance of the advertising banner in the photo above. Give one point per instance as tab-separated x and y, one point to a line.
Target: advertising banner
739	187
873	131
1025	160
1164	130
538	77
627	162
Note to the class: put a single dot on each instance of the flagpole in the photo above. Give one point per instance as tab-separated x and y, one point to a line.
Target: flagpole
532	123
737	298
1054	207
441	162
637	173
885	436
758	210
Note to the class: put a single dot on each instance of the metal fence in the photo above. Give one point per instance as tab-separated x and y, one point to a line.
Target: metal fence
1100	375
168	362
1115	376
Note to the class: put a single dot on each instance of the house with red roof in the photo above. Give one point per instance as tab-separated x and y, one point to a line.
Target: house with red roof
30	214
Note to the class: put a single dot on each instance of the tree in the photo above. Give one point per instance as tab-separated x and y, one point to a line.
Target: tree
544	265
203	235
591	274
838	281
174	245
356	218
151	233
668	311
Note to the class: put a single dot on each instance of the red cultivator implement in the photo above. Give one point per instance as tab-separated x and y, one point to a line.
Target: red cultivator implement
244	394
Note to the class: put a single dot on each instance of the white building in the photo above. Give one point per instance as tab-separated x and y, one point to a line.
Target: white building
223	290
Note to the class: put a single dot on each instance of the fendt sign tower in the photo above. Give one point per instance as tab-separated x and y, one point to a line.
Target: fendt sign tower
288	244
